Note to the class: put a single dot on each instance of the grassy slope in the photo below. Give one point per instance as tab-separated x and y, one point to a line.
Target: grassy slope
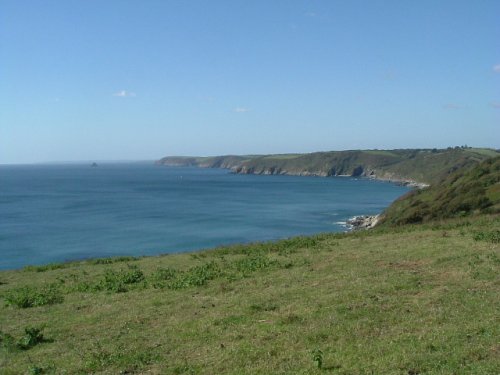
419	165
467	190
410	300
431	166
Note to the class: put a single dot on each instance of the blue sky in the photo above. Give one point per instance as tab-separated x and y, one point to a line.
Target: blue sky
129	80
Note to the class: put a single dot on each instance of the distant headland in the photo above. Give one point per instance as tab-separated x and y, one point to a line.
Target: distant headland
413	167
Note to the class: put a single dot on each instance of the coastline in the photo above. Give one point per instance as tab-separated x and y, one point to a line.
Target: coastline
363	222
400	181
415	168
357	173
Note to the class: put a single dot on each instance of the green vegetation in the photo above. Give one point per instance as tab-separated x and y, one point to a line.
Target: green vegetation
403	298
421	165
318	358
33	296
485	151
467	191
55	266
492	236
32	337
413	299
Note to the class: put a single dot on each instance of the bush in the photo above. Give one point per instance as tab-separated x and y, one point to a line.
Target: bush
36	370
265	306
161	276
317	357
32	336
493	236
118	281
112	260
46	267
197	276
254	263
32	297
7	342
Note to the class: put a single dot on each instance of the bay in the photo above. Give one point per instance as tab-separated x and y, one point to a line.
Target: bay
54	213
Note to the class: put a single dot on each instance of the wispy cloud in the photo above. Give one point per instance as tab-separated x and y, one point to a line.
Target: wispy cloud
241	110
310	14
496	105
452	106
496	68
124	94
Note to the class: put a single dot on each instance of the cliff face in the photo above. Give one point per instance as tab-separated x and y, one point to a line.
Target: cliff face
414	166
358	171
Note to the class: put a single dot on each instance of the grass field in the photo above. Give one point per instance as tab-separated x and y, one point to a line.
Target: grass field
409	300
484	151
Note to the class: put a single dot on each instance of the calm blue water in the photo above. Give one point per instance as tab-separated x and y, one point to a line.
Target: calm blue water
66	212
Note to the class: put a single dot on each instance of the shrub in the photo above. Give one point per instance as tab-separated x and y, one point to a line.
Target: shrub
31	297
100	261
85	286
112	260
267	306
118	281
254	263
197	276
161	275
46	267
32	336
492	236
291	245
36	370
317	357
7	341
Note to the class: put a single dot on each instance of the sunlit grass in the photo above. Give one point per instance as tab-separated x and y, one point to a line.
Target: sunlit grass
410	300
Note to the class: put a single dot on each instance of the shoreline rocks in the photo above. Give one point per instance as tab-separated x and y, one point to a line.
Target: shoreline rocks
362	222
410	183
400	181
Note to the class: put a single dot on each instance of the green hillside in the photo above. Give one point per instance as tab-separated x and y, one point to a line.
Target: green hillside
405	165
410	300
475	189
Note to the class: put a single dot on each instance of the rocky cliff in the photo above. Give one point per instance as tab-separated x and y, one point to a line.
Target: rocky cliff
416	167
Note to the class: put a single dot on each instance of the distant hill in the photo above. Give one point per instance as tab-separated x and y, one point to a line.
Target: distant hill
474	189
404	165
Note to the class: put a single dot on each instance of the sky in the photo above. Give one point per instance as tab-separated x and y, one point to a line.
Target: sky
143	79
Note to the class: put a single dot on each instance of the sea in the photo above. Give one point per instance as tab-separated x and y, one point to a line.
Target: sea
58	213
